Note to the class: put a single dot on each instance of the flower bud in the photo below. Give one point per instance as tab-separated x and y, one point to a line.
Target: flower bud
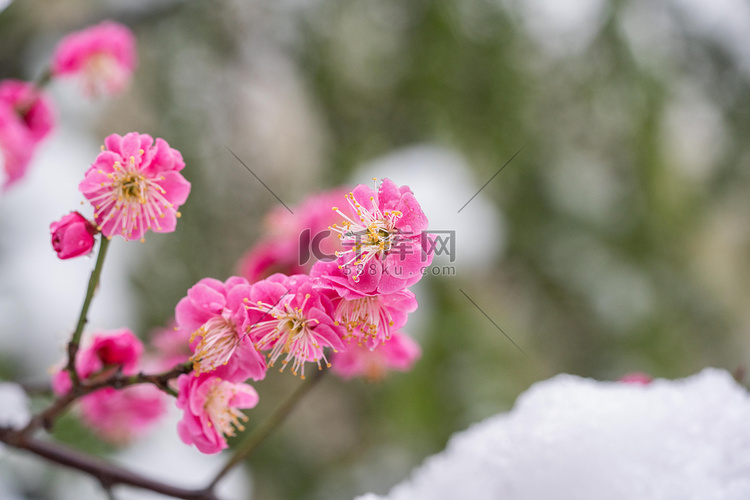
72	236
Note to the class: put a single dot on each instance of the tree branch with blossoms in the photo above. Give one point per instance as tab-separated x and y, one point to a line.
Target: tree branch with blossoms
341	308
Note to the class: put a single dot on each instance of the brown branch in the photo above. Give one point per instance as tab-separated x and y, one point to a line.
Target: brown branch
117	380
108	474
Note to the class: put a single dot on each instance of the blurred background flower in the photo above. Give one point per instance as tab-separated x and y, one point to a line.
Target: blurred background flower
616	241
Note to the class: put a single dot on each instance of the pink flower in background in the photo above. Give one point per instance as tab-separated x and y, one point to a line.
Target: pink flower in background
171	346
103	57
385	250
119	416
33	108
16	147
271	256
61	382
115	415
114	348
26	117
399	353
72	236
637	378
292	319
211	410
214	314
135	185
294	241
367	318
119	349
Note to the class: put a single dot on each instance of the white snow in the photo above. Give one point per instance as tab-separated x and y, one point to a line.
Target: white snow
14	410
575	438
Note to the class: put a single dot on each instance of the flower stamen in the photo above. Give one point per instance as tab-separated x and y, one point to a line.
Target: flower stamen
372	235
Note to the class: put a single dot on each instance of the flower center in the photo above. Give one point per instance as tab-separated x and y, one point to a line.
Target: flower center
132	187
367	315
222	416
288	332
103	74
218	342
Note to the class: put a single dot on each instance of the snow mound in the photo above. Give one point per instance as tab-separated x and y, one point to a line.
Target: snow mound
579	439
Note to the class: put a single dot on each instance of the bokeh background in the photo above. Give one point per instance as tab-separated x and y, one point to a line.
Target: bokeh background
617	239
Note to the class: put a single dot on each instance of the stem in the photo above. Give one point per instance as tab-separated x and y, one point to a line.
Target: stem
107	473
83	318
264	429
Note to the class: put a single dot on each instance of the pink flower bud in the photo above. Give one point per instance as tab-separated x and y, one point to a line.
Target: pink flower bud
72	236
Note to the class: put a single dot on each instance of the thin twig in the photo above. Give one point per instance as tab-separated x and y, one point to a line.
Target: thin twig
264	429
83	317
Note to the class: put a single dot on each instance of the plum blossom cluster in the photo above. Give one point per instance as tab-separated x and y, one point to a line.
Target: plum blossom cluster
336	315
102	58
344	312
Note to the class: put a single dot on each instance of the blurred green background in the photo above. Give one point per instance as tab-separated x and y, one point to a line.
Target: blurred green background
626	214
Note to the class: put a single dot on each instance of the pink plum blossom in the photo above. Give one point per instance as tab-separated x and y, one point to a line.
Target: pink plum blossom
72	236
214	314
119	416
292	319
103	57
269	257
16	147
383	237
292	242
135	185
115	348
32	106
61	383
119	349
399	353
211	410
26	117
367	318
